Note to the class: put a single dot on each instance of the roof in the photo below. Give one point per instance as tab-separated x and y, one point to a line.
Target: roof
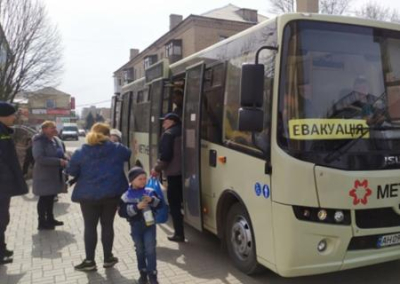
230	12
227	13
49	91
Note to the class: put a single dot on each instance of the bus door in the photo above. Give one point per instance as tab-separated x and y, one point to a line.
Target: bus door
156	99
191	145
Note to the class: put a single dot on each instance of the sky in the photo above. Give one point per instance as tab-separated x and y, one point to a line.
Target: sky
97	36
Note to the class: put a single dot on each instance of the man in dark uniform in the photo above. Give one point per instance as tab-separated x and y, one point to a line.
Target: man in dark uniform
11	178
170	162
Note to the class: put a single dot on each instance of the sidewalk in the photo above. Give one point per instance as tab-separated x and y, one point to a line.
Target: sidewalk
48	257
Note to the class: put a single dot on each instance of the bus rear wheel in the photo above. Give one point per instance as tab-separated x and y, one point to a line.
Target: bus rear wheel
240	241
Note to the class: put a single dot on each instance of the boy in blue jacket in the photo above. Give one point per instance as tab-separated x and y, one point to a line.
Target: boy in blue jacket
138	205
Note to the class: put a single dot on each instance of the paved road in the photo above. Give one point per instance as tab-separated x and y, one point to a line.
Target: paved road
48	257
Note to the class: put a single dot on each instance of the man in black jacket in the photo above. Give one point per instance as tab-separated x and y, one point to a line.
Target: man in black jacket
170	161
11	178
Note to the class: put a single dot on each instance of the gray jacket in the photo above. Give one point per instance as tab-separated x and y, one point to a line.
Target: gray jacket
47	171
170	153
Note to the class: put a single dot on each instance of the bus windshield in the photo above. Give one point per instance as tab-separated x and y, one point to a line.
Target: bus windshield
340	93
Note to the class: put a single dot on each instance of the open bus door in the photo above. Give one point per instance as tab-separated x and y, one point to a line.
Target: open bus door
191	146
156	98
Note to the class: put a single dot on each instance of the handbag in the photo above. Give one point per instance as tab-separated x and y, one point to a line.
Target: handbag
161	214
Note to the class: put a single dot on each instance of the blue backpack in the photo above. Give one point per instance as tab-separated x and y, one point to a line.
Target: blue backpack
161	214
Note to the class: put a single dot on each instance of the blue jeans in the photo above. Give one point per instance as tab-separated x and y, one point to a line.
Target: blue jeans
145	243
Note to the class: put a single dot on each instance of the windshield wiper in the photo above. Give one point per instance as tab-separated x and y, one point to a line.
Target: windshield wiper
343	148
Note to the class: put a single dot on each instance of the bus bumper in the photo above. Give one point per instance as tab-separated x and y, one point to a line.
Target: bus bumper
296	244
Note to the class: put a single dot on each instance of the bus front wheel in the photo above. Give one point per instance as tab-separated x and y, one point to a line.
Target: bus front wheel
240	241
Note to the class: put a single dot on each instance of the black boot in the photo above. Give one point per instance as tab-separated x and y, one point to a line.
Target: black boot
143	278
44	225
4	259
8	253
153	278
55	222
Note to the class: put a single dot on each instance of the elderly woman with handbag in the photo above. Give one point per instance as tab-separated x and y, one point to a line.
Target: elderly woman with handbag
48	180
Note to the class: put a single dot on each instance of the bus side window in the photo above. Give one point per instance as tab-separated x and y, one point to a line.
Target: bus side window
243	140
213	104
232	103
142	112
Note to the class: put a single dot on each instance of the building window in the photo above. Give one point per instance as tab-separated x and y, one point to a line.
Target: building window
128	75
50	104
173	50
149	60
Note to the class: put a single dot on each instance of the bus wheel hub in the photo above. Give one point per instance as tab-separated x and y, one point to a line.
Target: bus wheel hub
241	238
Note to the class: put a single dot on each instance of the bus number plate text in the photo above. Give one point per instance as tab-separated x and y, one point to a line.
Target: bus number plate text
389	240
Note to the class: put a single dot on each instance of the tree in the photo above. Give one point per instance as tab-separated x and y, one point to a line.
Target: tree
283	6
99	118
375	11
89	121
32	47
334	7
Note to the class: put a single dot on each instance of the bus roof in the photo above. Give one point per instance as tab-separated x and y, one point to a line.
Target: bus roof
282	20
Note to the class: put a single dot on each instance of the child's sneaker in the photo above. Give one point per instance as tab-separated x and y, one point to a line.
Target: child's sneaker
110	261
86	265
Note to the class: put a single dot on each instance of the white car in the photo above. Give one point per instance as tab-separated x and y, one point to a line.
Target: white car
69	132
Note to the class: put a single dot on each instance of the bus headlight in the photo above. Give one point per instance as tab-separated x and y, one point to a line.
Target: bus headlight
322	215
339	216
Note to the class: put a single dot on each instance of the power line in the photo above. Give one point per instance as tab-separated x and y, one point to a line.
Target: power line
96	103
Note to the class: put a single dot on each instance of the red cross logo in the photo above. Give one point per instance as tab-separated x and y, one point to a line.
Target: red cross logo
360	192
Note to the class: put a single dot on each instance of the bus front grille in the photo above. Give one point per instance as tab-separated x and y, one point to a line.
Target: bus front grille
377	218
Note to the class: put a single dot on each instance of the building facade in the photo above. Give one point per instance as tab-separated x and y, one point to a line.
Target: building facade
185	37
47	104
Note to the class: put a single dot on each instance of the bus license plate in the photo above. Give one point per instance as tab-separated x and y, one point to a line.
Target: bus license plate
389	240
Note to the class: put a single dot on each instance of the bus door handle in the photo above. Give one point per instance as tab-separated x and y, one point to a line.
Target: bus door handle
212	158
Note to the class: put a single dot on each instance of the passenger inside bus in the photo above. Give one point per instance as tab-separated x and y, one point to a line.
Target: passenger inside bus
177	100
360	103
305	99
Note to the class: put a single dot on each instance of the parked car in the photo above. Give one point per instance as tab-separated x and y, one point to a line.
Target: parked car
82	132
69	131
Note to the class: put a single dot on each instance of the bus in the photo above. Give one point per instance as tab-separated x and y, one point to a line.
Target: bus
291	141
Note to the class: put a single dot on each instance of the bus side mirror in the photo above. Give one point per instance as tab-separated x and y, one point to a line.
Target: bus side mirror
252	85
251	119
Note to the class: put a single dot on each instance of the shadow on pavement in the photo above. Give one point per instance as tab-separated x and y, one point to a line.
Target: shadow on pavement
11	278
194	257
48	244
382	273
112	275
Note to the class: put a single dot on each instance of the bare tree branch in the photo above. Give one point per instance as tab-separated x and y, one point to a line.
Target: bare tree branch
334	7
283	6
32	46
376	11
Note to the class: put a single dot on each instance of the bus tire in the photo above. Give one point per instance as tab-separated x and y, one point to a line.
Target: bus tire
239	240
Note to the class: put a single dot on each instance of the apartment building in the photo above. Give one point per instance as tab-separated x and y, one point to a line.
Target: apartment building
185	37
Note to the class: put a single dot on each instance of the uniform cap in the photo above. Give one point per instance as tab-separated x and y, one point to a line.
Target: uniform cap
6	109
171	116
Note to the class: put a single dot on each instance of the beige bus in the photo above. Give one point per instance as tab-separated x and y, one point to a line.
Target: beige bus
291	141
